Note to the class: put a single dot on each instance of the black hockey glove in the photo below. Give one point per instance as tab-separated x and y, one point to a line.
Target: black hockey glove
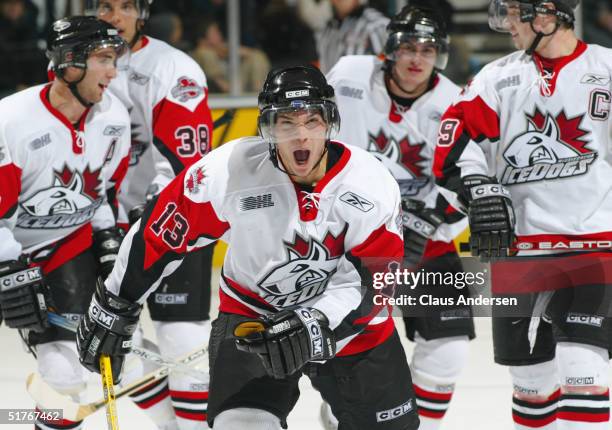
106	245
24	296
287	340
107	328
135	214
491	216
420	224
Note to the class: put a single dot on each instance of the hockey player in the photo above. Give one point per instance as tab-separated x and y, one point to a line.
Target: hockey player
63	147
394	106
308	221
167	96
526	152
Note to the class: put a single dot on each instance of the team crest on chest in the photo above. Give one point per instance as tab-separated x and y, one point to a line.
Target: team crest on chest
70	200
306	271
552	147
403	159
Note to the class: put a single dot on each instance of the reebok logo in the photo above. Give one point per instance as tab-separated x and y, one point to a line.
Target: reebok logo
256	202
356	201
595	79
113	130
391	414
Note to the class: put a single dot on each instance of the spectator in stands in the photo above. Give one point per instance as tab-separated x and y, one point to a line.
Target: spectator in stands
284	37
51	10
211	53
597	16
354	29
23	63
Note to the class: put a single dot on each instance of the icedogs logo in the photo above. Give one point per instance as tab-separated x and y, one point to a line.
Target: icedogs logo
305	273
70	200
551	148
403	159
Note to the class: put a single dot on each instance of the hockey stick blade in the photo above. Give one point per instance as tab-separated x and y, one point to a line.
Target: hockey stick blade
47	398
145	354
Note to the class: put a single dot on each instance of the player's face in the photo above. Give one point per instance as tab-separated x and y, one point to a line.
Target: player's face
414	64
300	140
122	14
101	69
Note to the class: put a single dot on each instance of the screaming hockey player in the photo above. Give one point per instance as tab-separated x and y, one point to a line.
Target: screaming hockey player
167	96
395	105
308	220
63	147
526	151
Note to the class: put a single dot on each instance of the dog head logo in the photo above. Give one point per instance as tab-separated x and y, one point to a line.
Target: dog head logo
548	140
69	193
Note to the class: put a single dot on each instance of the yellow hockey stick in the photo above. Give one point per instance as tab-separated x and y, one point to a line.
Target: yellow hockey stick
109	392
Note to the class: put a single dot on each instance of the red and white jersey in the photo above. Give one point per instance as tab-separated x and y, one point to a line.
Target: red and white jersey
543	128
403	139
54	178
287	247
167	96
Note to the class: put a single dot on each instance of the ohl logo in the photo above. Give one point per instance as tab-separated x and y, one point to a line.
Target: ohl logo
551	148
306	271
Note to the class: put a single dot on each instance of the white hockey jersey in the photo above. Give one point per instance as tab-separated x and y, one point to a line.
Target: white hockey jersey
403	139
167	96
543	128
287	247
54	179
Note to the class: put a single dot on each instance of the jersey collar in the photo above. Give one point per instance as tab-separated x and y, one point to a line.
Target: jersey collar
549	68
78	139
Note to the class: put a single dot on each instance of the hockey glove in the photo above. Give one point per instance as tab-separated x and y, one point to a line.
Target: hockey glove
107	328
106	245
491	216
135	214
420	224
24	296
287	340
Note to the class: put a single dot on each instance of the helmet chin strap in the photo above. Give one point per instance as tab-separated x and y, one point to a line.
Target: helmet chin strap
539	36
72	86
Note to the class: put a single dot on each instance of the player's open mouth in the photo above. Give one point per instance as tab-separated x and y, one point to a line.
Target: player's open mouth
414	70
301	156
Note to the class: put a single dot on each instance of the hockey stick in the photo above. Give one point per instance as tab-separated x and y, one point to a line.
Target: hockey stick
227	116
145	354
554	245
106	372
47	398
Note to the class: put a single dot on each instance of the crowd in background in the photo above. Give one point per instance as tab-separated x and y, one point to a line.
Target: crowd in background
272	33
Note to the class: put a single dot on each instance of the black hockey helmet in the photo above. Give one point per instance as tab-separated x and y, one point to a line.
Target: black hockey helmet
499	10
92	7
421	25
71	40
293	89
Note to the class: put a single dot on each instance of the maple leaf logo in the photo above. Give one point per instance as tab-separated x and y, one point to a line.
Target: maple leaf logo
91	180
569	129
195	179
333	243
402	153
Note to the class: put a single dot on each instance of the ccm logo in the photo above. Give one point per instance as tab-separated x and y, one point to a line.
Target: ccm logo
101	316
297	93
391	414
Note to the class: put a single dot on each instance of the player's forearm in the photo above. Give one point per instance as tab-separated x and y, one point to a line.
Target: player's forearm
10	249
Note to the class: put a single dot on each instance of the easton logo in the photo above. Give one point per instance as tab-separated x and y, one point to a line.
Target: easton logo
354	200
256	202
551	148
